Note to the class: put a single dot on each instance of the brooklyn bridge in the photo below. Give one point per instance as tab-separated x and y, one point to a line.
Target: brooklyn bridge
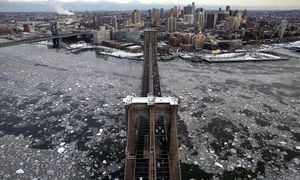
152	147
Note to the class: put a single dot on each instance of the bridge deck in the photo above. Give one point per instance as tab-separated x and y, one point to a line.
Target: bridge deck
152	148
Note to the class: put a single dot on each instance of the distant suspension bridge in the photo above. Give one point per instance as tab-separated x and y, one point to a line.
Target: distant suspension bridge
43	38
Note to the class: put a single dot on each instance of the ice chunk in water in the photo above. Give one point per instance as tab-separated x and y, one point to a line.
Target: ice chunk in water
219	165
61	150
20	171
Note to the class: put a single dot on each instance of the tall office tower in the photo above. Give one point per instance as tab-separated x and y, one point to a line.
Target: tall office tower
193	7
149	13
234	22
227	8
230	23
155	17
171	24
200	20
211	20
188	18
282	29
162	13
174	12
115	22
245	15
96	22
188	9
239	19
136	16
221	15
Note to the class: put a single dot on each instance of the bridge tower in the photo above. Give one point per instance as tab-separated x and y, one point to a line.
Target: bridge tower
54	31
152	146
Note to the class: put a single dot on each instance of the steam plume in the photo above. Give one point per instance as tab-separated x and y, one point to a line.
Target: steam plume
58	8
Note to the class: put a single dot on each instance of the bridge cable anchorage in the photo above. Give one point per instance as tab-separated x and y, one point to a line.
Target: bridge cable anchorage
152	145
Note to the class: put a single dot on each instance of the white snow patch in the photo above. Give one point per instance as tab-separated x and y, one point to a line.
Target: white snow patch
123	54
241	56
79	45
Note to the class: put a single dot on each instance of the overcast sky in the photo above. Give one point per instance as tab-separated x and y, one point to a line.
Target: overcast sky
82	5
251	3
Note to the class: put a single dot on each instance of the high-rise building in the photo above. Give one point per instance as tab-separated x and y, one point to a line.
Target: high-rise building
102	35
245	14
96	23
200	20
188	9
149	13
227	8
155	17
188	18
171	24
211	20
115	22
174	12
239	19
193	7
162	13
234	22
283	26
136	16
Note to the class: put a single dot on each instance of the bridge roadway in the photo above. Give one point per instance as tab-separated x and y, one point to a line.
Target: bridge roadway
152	147
42	38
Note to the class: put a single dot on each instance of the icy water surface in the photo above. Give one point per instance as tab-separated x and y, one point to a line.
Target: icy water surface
61	115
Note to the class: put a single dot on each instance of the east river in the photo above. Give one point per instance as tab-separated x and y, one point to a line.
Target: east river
62	117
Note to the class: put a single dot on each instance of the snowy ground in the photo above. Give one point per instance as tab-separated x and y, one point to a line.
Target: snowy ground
103	50
61	115
243	56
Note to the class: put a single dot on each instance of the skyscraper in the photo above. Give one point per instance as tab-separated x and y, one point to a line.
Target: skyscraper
115	22
211	20
188	18
199	19
193	8
171	24
162	13
155	17
188	9
136	16
227	8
